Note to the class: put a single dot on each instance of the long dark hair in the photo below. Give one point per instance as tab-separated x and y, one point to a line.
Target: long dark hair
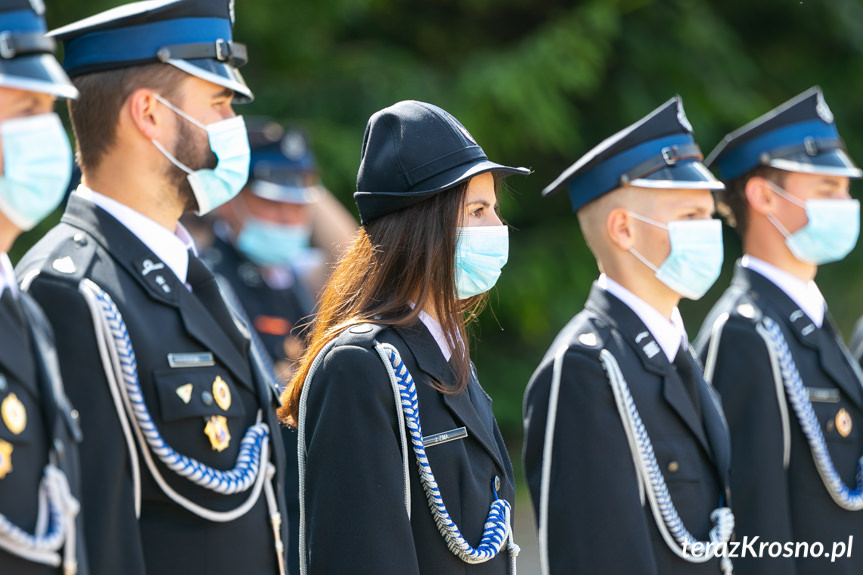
402	257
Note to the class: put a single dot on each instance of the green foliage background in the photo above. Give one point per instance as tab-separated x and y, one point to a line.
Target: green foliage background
538	83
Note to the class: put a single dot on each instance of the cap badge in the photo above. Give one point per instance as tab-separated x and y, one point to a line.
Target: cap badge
231	11
293	146
38	7
217	430
14	414
843	422
222	393
5	458
823	109
681	117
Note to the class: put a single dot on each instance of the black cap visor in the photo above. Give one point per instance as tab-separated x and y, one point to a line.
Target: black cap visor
829	163
221	73
36	73
691	175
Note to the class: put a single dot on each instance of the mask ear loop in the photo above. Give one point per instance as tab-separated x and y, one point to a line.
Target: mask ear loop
633	251
785	196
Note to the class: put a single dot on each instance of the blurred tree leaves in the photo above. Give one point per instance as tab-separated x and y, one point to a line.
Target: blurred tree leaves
538	83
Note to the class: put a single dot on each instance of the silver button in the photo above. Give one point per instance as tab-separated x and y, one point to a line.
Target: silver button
207	398
496	483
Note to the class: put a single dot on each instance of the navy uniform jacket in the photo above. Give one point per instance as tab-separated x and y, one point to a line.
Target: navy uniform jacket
29	370
596	522
355	514
277	316
162	317
772	501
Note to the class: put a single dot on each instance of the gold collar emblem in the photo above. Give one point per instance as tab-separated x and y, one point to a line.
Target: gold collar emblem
5	458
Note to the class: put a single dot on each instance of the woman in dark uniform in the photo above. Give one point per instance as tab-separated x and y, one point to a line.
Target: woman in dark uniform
390	335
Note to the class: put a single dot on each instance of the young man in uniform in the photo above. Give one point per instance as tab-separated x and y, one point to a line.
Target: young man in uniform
183	463
38	428
792	394
626	452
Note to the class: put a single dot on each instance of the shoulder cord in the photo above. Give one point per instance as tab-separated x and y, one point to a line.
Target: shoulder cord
43	547
710	368
664	513
497	529
119	362
799	400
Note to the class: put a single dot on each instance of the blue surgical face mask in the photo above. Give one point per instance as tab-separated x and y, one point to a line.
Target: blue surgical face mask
37	165
695	259
230	142
480	254
270	244
830	234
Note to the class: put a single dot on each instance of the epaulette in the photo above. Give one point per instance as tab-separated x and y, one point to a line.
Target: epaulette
747	309
71	258
360	335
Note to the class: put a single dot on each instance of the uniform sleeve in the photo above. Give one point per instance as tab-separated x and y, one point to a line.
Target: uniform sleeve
355	514
596	522
743	376
110	525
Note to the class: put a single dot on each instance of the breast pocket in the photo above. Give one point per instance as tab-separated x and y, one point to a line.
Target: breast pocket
837	418
196	393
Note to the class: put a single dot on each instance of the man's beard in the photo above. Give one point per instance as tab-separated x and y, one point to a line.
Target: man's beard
196	156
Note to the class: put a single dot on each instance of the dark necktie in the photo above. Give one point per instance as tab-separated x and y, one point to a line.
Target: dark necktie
12	308
206	289
686	370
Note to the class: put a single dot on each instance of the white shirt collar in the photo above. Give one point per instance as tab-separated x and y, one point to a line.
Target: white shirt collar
805	294
7	275
171	248
669	334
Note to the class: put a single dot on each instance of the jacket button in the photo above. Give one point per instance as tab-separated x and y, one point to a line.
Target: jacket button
673	466
496	483
207	398
80	239
60	449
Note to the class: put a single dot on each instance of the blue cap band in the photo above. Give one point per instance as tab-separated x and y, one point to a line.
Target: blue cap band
605	176
21	21
747	156
140	42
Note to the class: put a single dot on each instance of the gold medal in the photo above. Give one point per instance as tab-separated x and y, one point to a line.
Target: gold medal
5	458
843	422
14	414
222	393
217	430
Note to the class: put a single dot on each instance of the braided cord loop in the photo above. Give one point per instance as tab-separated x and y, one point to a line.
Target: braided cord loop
798	397
497	530
670	525
248	465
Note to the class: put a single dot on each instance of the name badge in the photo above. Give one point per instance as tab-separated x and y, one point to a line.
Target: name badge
451	435
823	395
203	359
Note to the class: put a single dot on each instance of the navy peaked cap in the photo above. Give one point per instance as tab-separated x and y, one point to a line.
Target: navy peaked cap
192	35
657	152
411	151
798	136
27	59
282	166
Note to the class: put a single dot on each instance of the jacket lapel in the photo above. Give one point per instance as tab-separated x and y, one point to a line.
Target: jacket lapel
652	358
158	281
14	351
471	407
824	341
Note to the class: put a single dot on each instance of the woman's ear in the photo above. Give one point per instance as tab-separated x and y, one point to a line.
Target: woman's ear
618	226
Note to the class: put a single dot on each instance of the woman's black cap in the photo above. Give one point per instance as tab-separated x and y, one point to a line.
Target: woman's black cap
411	151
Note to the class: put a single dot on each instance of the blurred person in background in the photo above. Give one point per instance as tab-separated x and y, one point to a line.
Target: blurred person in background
261	246
40	531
